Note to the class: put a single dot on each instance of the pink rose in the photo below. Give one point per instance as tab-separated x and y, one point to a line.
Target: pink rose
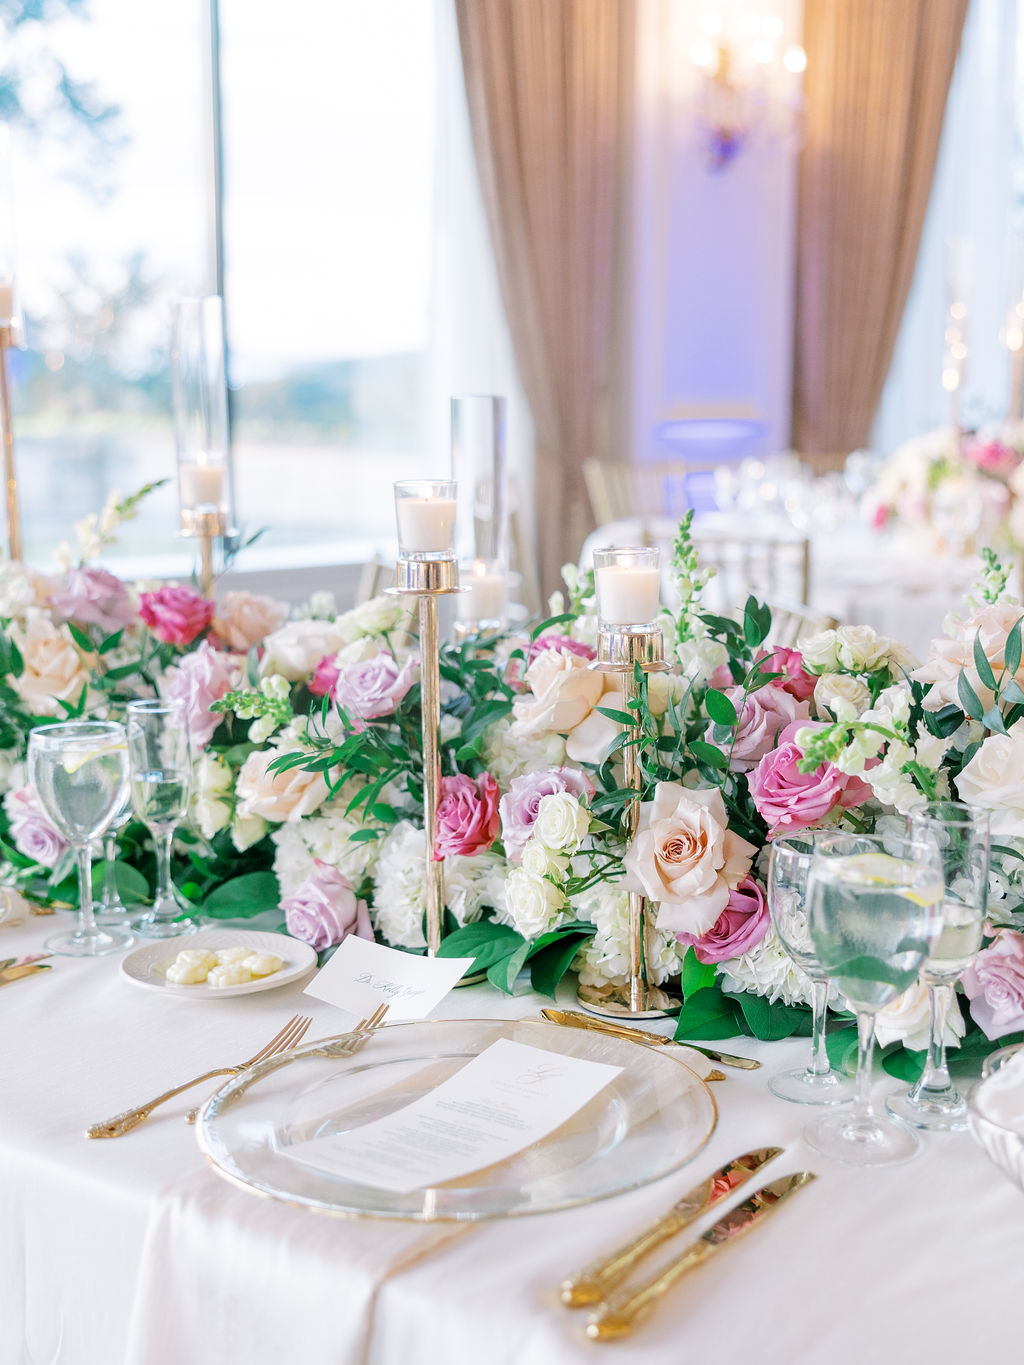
790	663
201	678
741	925
790	800
244	619
374	687
176	615
31	830
324	909
518	807
325	676
467	815
686	857
94	597
553	641
994	984
993	457
764	714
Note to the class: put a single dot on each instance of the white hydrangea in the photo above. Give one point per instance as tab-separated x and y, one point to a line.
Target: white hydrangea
400	890
471	884
506	757
767	970
293	861
605	957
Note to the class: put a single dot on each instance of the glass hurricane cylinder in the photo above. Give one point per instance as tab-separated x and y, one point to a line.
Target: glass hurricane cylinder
478	467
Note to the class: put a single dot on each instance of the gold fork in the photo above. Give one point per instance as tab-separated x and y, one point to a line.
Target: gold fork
343	1045
120	1124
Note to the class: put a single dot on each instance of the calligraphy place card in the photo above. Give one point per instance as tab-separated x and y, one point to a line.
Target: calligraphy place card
362	975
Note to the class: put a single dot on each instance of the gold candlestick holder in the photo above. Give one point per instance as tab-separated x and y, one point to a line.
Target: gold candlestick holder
628	652
7	341
206	527
427	580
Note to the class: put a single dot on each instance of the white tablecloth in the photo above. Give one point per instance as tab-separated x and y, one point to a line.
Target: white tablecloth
132	1250
897	584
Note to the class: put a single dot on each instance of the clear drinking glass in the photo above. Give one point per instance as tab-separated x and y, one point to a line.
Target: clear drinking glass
79	773
788	868
110	908
874	908
160	773
961	832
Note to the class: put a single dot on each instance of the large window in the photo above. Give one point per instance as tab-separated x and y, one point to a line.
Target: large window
349	226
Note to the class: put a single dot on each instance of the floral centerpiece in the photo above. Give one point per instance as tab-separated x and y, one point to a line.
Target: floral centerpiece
307	798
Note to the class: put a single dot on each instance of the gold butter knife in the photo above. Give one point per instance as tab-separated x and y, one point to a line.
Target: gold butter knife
574	1019
619	1314
595	1282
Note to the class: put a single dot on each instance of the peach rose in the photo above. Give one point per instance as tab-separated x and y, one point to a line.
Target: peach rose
53	671
564	692
686	858
277	796
244	619
991	624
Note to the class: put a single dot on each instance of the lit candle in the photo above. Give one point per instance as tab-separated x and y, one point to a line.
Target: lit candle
202	485
483	598
627	594
425	525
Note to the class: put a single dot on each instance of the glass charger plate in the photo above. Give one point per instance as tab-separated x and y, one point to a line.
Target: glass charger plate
647	1122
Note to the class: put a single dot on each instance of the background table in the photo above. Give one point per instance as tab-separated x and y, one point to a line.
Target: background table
131	1250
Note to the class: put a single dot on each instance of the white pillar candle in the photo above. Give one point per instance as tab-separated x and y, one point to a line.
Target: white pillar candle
484	596
425	525
202	485
627	595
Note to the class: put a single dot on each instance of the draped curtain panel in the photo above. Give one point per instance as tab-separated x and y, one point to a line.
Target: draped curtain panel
878	74
549	85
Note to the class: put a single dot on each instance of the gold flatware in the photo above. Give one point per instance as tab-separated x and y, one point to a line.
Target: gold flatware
594	1283
574	1019
340	1045
294	1039
619	1313
131	1118
18	970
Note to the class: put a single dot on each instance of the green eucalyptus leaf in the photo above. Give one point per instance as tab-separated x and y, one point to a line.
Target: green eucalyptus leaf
708	753
719	707
969	699
981	663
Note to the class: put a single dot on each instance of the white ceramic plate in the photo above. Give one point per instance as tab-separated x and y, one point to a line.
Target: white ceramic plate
146	966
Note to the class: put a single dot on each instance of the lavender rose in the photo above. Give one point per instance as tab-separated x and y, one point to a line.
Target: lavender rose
324	909
762	715
741	925
519	806
32	832
94	597
467	816
200	679
994	984
374	687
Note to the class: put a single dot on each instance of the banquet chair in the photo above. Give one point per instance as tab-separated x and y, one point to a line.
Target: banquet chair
793	621
769	566
649	491
376	575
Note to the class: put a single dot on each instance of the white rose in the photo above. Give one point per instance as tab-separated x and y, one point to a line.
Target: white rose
247	830
541	861
663	690
534	904
699	658
908	1020
994	781
861	649
297	648
819	651
562	823
833	687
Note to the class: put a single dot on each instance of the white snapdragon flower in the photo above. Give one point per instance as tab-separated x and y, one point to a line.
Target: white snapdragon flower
323	605
562	822
212	780
533	902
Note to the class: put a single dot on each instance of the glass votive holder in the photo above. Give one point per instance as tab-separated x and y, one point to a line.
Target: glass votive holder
425	512
483	599
203	493
628	582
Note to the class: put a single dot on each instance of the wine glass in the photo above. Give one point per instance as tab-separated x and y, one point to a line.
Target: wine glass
788	867
111	909
961	833
158	751
874	908
79	773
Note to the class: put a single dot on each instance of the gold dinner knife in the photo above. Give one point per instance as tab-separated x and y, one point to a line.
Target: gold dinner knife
619	1314
9	974
594	1283
574	1019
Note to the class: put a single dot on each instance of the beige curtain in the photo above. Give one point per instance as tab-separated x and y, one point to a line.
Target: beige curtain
878	74
549	86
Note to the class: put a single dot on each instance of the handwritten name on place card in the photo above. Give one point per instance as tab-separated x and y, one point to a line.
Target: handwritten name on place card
362	975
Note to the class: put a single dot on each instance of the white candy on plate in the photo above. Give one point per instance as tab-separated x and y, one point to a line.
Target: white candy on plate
264	964
229	974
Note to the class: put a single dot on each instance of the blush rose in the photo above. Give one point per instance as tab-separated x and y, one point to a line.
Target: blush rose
467	816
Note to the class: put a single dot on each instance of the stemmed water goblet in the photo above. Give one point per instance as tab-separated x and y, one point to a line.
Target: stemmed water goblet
158	751
79	773
111	909
874	911
788	868
961	832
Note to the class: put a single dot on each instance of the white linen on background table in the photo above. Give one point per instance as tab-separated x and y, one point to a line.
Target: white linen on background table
133	1250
